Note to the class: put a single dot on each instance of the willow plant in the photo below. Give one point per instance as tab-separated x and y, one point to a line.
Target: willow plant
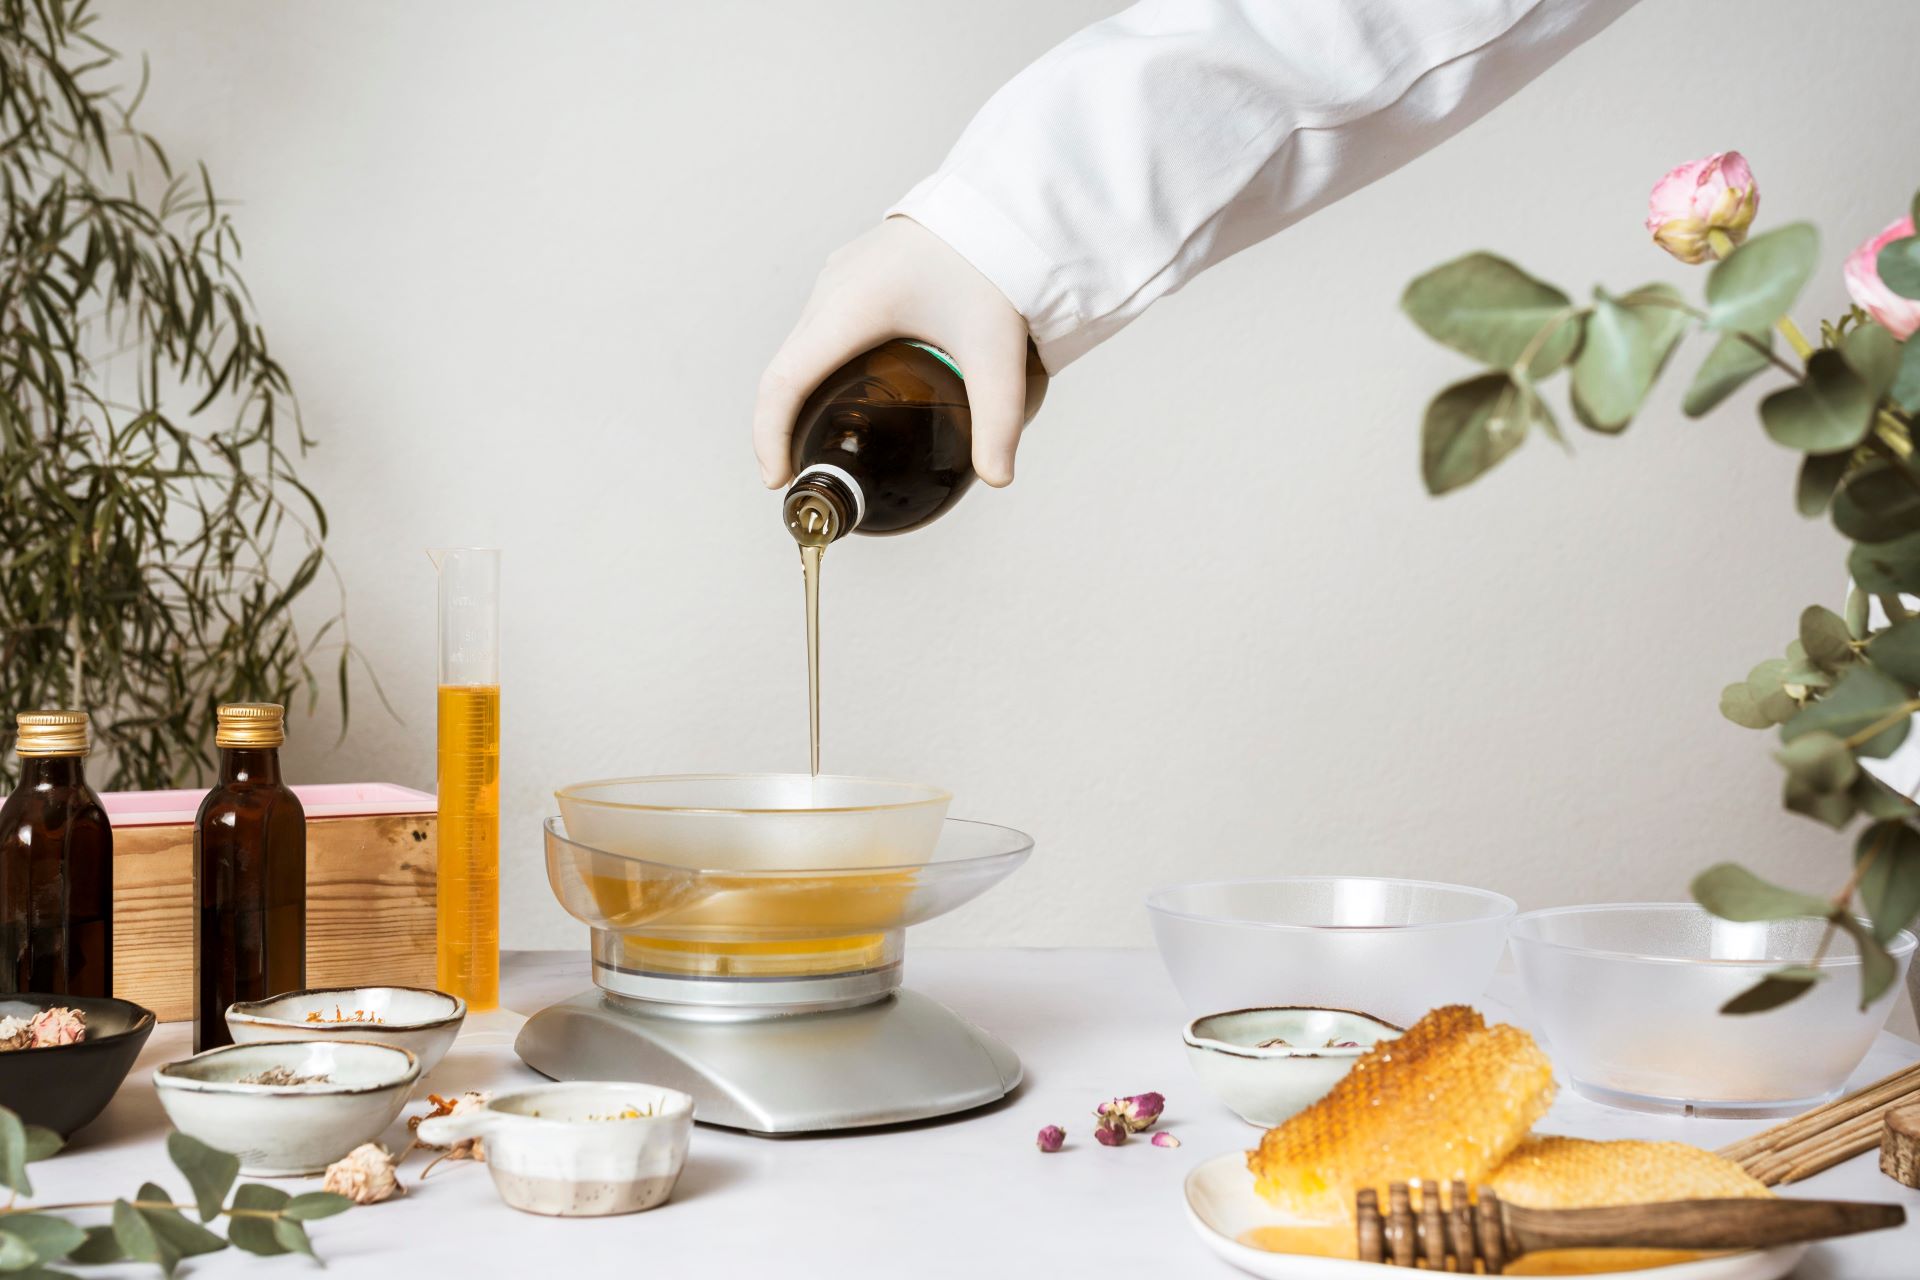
154	536
1847	686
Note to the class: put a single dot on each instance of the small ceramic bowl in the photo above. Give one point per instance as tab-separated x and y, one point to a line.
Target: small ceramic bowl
573	1151
420	1021
1240	1057
63	1087
282	1130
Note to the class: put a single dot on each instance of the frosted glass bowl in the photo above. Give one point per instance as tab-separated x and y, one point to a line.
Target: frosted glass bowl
758	821
1392	949
1628	996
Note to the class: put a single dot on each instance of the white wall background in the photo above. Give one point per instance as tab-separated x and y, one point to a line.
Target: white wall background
525	261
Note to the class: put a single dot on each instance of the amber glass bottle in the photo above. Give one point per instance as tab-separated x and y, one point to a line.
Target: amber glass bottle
56	865
885	443
249	875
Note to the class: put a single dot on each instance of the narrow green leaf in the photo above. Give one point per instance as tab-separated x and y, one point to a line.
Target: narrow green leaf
1819	762
1777	988
292	1236
209	1172
1470	426
1824	635
1489	309
1626	343
1754	285
1831	412
13	1154
1732	892
1899	266
317	1204
1890	886
1859	611
1727	367
1877	968
1864	700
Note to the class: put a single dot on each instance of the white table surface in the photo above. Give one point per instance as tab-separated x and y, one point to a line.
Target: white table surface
967	1197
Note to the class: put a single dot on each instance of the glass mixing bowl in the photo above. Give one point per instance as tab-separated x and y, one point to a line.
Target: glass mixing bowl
1392	949
661	928
747	821
1629	998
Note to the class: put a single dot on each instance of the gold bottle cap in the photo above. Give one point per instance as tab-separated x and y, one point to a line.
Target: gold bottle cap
250	724
51	733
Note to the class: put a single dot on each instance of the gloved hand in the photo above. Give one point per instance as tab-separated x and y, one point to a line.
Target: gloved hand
899	280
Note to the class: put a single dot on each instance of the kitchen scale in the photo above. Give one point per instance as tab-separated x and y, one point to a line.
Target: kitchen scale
748	932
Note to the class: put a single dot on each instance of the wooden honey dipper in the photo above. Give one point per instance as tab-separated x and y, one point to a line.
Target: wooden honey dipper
1456	1235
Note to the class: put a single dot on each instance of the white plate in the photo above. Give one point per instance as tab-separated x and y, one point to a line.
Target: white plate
1221	1204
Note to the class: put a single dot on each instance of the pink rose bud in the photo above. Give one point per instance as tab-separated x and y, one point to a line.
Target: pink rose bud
1143	1109
1897	315
1052	1138
1702	210
1111	1132
1165	1139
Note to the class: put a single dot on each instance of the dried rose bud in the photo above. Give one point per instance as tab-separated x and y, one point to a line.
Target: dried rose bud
1111	1132
1052	1138
364	1175
15	1033
1165	1139
1344	1044
1143	1110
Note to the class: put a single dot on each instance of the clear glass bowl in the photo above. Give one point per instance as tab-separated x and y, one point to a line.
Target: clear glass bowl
665	919
1628	996
1392	949
747	822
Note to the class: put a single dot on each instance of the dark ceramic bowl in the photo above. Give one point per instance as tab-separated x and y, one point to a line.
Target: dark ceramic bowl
65	1086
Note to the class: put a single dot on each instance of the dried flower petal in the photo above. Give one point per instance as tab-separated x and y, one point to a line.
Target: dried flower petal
1165	1139
364	1175
1136	1113
1111	1132
58	1025
1052	1138
466	1148
15	1033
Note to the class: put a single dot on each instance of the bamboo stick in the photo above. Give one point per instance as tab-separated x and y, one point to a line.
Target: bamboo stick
1828	1134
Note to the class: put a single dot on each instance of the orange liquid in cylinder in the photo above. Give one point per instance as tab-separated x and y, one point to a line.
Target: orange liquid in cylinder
468	902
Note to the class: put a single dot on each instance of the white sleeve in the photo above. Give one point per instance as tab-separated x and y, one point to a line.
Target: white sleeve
1152	145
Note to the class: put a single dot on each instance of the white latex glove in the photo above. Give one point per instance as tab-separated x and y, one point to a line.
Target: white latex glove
899	280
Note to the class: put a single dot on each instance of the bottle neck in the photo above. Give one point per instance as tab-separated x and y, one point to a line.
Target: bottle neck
249	764
822	506
41	773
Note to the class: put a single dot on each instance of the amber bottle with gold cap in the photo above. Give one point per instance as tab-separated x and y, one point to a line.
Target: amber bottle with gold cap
249	874
56	865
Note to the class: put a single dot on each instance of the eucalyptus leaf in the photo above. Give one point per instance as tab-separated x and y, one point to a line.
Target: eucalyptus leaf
13	1154
1874	354
1885	569
1824	635
1830	412
209	1172
49	1238
1782	986
1804	675
1820	475
1878	503
1877	968
1834	808
1896	650
101	1247
1767	682
255	1234
1754	285
186	1237
292	1236
312	1205
1472	425
1738	704
1906	379
1488	308
1732	361
1626	344
1819	762
1890	886
1732	892
1864	702
137	1238
15	1253
42	1143
1859	612
1899	266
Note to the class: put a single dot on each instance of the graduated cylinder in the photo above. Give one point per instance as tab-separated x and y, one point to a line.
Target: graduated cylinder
468	903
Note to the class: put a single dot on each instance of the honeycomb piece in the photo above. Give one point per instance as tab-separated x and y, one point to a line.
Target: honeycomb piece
1449	1099
1573	1173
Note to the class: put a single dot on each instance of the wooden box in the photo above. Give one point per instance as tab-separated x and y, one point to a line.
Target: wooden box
370	886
